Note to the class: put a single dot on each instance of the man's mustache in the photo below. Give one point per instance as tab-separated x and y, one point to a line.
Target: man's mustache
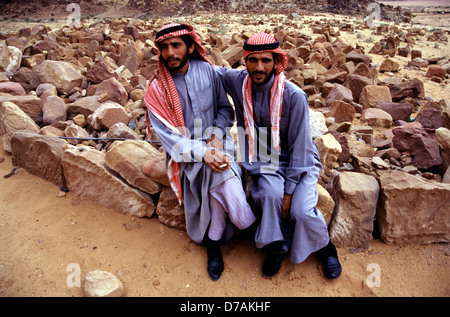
258	72
173	59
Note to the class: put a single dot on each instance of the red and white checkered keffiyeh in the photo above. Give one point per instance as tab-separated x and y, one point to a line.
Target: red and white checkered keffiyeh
162	100
258	43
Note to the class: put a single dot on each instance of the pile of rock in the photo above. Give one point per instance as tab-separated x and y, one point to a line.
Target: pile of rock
64	93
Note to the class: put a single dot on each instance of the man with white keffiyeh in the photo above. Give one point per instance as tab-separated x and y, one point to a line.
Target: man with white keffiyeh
190	111
280	156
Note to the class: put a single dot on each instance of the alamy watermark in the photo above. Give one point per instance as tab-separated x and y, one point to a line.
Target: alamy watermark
190	147
374	278
74	18
373	19
74	278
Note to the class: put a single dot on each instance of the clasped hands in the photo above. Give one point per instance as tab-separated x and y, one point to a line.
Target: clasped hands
214	157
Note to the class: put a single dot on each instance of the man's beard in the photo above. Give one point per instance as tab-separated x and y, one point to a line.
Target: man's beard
265	80
183	62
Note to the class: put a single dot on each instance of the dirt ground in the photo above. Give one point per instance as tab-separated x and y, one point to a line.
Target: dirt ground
45	233
42	233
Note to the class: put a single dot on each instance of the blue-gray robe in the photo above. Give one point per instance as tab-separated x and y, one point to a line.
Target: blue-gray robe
295	170
206	111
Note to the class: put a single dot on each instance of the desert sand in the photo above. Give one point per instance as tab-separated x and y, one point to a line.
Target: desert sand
44	232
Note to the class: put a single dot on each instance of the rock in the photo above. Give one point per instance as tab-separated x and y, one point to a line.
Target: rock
420	142
10	59
317	123
339	92
376	118
329	150
127	158
413	210
377	162
100	71
356	197
102	284
443	138
131	57
12	88
87	176
430	118
401	89
62	75
75	131
114	90
446	177
53	110
169	211
85	106
358	58
342	111
80	120
13	119
233	54
371	94
418	62
309	75
445	107
436	71
107	115
121	130
29	104
398	111
357	148
155	168
390	65
356	83
325	203
39	155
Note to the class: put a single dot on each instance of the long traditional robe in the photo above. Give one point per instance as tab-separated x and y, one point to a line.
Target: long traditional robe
294	170
206	111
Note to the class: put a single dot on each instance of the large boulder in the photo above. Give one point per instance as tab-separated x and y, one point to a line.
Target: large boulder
371	94
170	212
86	175
107	115
413	210
355	196
39	155
420	142
30	104
13	119
62	75
127	158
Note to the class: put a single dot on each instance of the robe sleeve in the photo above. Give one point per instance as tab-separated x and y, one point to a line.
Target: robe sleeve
302	149
181	148
225	113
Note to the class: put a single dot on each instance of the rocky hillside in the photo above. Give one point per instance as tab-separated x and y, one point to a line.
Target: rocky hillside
47	9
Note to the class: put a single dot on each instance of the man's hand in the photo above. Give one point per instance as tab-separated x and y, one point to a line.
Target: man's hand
217	161
286	208
215	143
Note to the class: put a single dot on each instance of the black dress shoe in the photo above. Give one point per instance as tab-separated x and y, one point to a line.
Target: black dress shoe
272	264
331	267
277	247
330	262
215	261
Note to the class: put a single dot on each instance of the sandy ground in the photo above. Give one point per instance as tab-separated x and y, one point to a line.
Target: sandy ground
44	234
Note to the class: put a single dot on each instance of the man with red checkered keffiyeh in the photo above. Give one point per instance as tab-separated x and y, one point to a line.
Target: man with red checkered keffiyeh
280	156
190	112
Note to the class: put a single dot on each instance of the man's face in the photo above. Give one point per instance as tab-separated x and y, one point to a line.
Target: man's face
260	67
175	54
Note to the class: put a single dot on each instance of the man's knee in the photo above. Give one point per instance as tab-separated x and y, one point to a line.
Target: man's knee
268	196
